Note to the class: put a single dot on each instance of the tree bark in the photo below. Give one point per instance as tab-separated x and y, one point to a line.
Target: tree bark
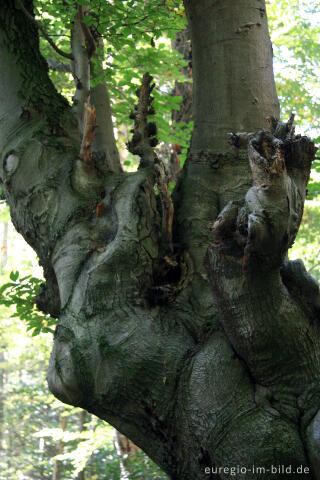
200	368
234	95
182	44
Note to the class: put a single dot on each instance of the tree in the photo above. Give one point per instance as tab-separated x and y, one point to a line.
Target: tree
201	345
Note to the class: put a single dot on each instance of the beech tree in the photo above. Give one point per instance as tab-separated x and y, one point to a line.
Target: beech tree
181	320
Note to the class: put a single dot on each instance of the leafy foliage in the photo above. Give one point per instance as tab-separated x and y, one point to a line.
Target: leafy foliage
295	33
21	293
307	245
137	38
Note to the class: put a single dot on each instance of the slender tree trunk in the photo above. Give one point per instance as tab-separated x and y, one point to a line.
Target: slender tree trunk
126	449
58	465
82	422
202	367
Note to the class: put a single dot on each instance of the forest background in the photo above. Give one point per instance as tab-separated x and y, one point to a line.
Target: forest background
41	438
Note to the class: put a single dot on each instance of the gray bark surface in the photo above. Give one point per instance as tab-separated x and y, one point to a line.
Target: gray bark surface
200	366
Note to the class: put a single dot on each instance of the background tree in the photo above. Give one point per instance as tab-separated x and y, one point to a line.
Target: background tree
131	301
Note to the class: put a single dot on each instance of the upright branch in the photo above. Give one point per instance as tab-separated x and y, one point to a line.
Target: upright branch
90	41
104	141
82	50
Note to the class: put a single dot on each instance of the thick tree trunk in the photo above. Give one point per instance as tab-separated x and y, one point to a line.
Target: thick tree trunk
201	370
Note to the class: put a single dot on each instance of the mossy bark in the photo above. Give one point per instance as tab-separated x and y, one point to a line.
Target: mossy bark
200	368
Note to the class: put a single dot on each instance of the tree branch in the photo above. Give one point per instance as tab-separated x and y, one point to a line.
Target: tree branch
81	71
44	33
89	39
58	67
104	138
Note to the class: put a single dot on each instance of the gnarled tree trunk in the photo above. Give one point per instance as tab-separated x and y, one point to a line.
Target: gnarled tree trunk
204	369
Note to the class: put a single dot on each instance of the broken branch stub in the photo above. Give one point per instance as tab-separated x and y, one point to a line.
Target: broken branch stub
144	133
143	143
267	222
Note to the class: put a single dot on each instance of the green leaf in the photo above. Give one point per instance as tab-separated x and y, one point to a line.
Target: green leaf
14	276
